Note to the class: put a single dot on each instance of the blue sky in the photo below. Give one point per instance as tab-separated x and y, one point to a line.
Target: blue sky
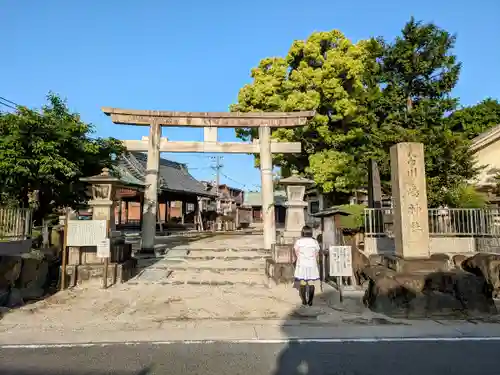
195	55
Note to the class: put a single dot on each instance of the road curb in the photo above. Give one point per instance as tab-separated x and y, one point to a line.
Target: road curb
245	332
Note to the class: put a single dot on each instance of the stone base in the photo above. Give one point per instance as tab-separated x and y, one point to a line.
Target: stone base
437	287
440	294
280	273
117	273
289	238
438	262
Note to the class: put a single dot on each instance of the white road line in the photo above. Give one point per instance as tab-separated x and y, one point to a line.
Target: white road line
251	341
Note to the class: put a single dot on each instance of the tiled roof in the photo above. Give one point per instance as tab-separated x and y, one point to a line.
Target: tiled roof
174	177
486	138
253	198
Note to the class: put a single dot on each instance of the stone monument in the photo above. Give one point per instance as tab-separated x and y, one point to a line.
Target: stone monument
295	216
411	221
375	196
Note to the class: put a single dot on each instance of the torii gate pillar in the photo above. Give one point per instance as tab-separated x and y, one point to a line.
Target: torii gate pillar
267	189
150	207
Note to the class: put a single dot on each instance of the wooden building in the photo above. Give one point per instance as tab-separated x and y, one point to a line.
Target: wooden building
179	192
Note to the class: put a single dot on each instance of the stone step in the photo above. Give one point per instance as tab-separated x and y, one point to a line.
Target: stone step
224	250
227	256
217	279
229	268
217	265
151	276
178	277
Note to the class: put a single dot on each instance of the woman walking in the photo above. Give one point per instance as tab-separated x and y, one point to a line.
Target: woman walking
306	269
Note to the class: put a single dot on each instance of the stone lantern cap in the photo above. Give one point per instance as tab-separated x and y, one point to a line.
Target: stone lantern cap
295	179
105	177
331	212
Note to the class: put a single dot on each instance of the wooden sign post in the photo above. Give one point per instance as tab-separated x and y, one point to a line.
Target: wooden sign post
340	265
64	255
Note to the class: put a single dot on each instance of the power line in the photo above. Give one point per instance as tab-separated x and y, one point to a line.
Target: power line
198	168
237	182
13	105
8	103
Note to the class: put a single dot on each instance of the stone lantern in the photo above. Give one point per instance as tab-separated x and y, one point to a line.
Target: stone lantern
295	214
103	189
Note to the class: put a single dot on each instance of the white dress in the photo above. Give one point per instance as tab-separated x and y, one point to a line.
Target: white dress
306	268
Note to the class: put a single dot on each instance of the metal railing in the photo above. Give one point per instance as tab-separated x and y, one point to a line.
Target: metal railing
378	221
464	222
15	223
442	221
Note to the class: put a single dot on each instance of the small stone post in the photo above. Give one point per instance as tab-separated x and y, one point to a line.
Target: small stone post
411	220
295	215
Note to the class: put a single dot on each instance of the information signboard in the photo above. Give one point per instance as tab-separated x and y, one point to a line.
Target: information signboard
104	249
86	232
340	261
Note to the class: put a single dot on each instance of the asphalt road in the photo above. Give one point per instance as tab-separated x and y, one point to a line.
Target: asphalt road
356	358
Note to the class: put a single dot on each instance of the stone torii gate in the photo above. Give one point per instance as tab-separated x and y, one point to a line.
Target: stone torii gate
210	121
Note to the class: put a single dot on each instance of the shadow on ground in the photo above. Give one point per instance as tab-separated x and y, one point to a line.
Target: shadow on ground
333	355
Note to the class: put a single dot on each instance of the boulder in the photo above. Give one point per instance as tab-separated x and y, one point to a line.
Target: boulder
11	298
473	294
359	262
440	256
34	274
10	269
487	266
385	294
423	294
457	260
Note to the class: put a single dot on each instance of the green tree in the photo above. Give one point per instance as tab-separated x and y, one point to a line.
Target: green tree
419	71
325	73
44	154
466	196
476	119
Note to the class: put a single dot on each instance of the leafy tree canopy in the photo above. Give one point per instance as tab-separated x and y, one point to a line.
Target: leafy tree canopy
474	120
43	155
324	73
368	96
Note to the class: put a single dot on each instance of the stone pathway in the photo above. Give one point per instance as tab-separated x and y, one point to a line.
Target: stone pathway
143	305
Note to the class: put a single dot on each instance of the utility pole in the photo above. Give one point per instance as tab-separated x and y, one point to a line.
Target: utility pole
217	167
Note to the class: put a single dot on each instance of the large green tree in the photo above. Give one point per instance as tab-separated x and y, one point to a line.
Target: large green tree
44	153
325	73
418	73
368	96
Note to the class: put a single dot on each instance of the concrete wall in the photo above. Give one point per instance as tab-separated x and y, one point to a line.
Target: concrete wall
488	156
437	244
